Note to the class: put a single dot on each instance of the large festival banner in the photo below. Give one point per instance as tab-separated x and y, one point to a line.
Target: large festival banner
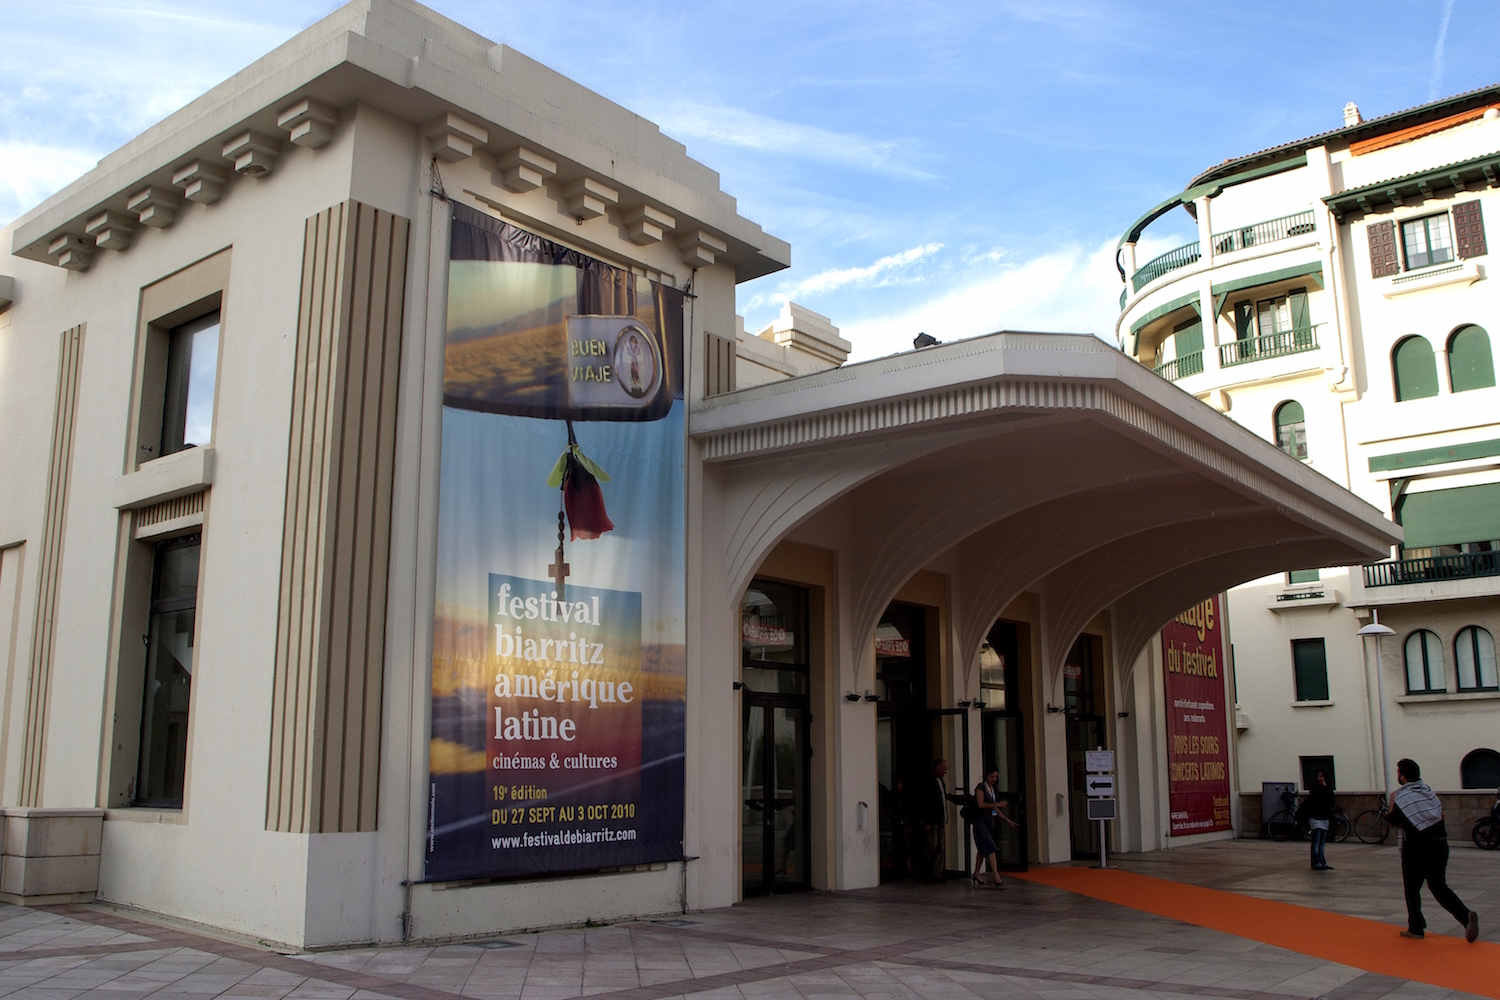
558	644
1192	647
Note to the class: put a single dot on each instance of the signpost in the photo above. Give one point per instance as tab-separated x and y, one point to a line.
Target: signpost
1100	786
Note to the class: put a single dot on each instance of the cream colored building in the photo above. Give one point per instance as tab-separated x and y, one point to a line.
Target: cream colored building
221	394
1338	302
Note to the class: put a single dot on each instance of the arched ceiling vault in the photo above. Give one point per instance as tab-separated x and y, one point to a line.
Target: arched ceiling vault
1041	461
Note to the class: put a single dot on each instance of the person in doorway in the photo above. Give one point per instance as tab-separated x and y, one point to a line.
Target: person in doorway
991	811
1317	813
1416	810
932	808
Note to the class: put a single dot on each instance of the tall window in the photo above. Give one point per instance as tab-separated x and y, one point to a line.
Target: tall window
169	674
1414	369
1284	314
1310	665
1427	241
1469	360
1474	652
187	418
1291	429
1424	663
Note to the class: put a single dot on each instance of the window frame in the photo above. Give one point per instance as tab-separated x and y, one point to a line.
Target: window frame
1473	632
1297	670
165	606
1425	222
1299	439
1427	666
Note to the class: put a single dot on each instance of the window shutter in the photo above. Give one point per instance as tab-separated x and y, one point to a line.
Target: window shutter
1297	300
1452	517
1383	260
1244	320
1468	229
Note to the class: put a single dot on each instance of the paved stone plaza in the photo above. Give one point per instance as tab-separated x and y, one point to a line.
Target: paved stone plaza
902	941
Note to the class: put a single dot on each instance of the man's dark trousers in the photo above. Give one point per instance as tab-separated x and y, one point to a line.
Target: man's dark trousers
1425	859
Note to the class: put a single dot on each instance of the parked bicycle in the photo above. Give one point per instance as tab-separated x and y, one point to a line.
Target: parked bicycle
1285	824
1373	826
1487	830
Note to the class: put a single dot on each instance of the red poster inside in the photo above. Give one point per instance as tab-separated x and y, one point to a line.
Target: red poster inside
1192	647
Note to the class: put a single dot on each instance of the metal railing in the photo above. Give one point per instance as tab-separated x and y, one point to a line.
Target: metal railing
1188	364
1465	566
1270	231
1169	261
1272	345
1124	293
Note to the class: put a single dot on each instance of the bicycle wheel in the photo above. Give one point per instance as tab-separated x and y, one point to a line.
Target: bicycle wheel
1338	829
1487	834
1371	827
1281	826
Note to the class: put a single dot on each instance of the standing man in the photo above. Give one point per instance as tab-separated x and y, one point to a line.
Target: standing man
1416	809
933	809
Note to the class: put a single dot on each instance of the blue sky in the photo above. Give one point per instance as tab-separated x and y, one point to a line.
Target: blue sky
939	167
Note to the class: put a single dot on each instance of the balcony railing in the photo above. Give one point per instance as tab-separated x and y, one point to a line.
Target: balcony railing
1124	293
1272	345
1169	261
1465	566
1188	364
1269	231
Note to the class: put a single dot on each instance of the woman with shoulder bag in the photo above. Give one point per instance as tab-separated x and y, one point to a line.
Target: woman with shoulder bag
989	808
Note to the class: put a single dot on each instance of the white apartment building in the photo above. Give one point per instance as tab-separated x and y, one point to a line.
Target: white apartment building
1339	303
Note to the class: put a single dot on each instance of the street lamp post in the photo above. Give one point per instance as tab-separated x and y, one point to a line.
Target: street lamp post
1378	630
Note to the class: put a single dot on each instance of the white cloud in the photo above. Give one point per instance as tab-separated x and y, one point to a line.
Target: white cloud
29	173
748	130
1071	289
880	273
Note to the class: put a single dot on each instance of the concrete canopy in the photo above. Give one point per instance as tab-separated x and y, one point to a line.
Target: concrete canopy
1043	462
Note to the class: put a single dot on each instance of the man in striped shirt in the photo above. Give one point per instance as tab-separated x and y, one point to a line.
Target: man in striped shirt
1417	811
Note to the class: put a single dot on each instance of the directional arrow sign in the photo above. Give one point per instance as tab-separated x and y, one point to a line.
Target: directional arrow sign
1100	786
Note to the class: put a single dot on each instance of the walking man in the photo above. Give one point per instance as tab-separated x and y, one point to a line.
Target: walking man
1416	809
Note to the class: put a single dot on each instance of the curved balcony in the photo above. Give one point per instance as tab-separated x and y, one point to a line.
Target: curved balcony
1261	233
1169	261
1271	345
1178	368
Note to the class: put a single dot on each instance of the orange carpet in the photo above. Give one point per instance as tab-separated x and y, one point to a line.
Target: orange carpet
1442	959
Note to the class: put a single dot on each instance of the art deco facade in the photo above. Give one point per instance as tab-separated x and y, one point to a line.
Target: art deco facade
1339	303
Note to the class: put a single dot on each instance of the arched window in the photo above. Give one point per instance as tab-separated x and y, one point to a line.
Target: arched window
1291	429
1424	663
1469	362
1480	769
1415	369
1474	652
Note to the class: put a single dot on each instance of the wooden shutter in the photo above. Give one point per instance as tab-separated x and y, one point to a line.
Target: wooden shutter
1452	517
1383	260
1244	320
1297	306
1468	229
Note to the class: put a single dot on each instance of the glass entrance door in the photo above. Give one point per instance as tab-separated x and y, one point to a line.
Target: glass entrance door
1003	740
774	827
1085	733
